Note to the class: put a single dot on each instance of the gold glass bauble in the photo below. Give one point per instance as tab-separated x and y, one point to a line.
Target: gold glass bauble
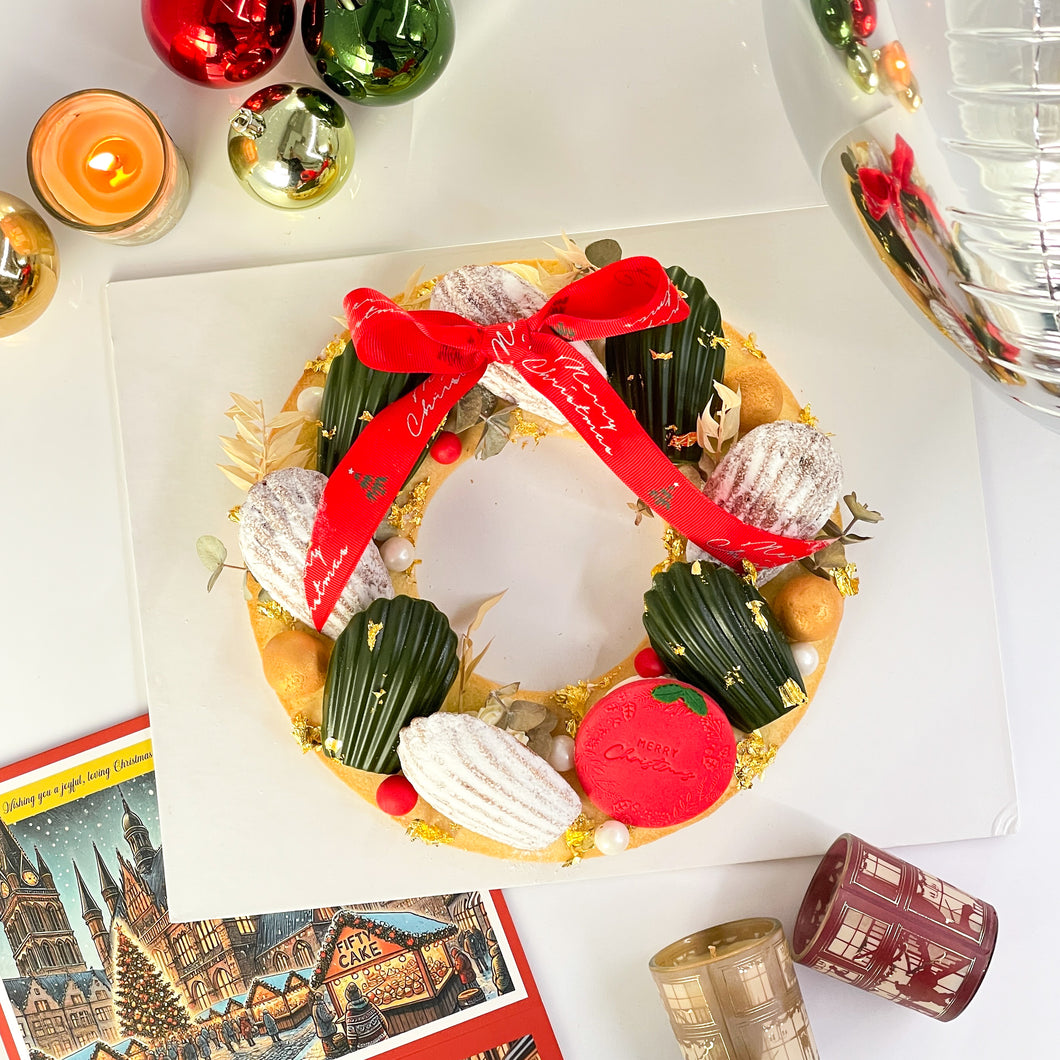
290	146
29	265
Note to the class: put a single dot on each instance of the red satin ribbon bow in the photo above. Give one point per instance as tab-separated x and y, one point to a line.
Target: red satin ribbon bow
882	190
629	295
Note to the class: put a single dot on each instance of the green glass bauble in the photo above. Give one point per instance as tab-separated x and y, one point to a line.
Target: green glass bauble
378	52
834	20
862	67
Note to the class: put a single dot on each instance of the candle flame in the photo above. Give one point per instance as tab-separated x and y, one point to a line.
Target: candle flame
109	164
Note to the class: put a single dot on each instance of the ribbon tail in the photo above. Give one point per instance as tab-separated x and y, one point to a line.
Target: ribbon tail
360	491
600	416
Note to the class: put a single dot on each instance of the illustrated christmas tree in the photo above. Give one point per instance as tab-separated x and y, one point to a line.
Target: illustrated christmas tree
146	1004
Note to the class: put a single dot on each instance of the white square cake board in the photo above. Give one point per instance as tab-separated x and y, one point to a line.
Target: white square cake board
906	742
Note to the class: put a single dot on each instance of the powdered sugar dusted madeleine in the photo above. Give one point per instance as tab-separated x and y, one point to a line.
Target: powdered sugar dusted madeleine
783	477
275	528
484	779
490	294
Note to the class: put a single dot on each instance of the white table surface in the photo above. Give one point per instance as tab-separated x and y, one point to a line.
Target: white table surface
562	114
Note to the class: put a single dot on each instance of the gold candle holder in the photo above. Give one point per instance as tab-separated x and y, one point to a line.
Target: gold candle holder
731	994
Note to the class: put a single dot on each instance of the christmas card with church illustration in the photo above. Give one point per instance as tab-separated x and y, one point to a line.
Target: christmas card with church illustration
92	968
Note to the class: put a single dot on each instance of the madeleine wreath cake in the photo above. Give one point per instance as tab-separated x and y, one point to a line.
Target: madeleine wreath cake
740	614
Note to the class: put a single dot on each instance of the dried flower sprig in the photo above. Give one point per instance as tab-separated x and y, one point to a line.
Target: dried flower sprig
715	432
260	445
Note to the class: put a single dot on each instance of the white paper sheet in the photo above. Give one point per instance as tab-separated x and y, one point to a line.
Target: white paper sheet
906	742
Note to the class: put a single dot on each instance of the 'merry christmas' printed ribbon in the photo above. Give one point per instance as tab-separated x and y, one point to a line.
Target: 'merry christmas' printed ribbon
629	295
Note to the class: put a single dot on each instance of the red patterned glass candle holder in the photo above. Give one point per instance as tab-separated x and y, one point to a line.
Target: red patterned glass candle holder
881	924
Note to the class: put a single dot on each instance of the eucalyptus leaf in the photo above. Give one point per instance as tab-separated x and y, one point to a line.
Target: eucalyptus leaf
859	511
603	252
214	575
847	539
539	742
525	715
247	594
546	726
494	437
832	556
831	529
211	551
475	405
504	695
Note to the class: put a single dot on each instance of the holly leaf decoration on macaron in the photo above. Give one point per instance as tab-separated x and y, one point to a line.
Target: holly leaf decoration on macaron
673	693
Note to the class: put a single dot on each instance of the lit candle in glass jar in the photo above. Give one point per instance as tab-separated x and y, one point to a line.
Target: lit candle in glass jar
102	162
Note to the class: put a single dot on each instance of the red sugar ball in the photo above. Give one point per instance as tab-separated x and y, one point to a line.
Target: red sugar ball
447	448
396	796
648	664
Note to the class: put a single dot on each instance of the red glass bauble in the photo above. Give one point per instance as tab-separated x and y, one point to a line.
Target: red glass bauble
863	18
218	42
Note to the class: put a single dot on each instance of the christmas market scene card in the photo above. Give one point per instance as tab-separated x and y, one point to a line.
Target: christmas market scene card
92	967
552	526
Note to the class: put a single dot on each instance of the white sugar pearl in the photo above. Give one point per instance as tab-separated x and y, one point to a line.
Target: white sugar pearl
309	401
806	658
561	755
398	553
611	837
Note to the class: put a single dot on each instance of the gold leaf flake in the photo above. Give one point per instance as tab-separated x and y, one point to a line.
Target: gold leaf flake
308	736
697	568
519	426
792	694
333	745
323	363
750	577
733	677
751	346
755	607
753	754
579	839
640	509
661	356
427	833
272	609
677	649
719	342
374	629
410	514
806	416
233	513
674	544
366	416
681	441
846	579
575	698
330	432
